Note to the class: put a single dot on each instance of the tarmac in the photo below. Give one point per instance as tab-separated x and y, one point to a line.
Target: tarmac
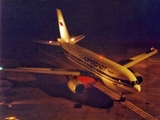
46	97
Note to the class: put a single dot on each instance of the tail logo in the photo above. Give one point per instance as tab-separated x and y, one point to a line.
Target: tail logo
61	23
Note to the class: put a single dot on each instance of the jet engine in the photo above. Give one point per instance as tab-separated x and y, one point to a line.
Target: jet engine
139	78
76	86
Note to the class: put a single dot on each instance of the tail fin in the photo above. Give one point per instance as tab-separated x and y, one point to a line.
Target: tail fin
62	27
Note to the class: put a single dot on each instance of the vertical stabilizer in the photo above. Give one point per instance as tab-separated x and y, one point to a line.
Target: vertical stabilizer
62	27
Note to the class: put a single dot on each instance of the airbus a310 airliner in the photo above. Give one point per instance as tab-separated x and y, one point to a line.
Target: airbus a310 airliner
119	78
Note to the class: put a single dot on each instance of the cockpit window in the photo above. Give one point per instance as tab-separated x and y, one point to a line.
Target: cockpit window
133	83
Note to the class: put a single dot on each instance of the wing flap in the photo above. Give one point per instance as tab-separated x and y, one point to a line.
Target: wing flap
134	60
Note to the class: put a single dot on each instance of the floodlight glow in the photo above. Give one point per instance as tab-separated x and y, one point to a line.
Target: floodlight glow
1	68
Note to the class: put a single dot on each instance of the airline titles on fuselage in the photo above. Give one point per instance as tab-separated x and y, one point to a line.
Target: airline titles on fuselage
94	63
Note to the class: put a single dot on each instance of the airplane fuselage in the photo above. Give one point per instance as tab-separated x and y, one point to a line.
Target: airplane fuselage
114	76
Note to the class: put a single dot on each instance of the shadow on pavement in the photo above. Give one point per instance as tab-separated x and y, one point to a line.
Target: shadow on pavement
57	87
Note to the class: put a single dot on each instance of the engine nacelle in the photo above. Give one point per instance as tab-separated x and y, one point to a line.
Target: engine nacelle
139	78
76	86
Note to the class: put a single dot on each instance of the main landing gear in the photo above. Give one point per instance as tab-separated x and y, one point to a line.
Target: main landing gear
123	97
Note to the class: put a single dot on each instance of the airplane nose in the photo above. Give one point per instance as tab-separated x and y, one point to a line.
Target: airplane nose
137	88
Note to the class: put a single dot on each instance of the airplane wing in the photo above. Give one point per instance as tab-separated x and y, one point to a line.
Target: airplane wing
43	71
134	60
50	42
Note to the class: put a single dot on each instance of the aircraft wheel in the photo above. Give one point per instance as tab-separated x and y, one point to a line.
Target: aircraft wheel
122	99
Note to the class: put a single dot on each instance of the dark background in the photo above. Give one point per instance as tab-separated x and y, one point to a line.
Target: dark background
129	21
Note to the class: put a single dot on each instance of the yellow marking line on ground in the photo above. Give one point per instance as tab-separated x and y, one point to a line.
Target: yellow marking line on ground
128	104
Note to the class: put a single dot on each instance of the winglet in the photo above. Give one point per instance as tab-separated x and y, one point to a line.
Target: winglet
153	49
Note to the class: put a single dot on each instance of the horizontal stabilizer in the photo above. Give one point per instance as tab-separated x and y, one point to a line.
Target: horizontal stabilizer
50	42
77	38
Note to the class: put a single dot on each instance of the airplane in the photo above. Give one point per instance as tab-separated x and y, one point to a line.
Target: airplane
117	77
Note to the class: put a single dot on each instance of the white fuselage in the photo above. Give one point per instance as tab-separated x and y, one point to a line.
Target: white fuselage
114	76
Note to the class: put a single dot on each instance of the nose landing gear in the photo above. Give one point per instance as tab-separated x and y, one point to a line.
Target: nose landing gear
123	97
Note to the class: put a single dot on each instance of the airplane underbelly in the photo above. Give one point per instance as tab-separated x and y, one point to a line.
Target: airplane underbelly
118	88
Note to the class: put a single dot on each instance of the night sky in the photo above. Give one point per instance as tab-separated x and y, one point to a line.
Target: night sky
23	21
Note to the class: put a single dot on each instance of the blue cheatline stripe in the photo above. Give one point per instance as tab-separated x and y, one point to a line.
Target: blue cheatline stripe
102	74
